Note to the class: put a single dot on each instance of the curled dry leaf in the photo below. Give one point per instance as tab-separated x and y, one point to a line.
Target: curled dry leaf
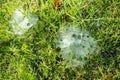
57	4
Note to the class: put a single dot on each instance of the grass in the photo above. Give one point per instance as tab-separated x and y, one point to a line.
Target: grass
33	56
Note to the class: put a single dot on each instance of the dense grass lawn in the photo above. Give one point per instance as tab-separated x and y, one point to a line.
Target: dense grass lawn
34	56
